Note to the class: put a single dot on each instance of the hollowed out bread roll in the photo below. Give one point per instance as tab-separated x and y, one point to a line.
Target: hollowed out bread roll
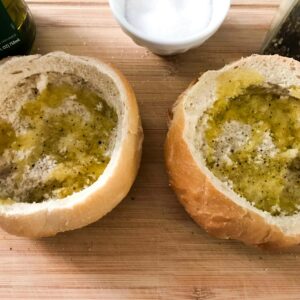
233	151
70	142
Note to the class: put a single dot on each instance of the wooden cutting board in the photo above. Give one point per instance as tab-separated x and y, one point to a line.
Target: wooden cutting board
148	247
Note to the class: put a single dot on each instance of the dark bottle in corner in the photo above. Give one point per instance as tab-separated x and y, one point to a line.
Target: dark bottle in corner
284	36
17	28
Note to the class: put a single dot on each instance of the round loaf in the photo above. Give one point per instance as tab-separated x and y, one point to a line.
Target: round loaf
208	200
93	202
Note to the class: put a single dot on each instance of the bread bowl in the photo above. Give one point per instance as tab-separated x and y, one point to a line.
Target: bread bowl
71	141
232	151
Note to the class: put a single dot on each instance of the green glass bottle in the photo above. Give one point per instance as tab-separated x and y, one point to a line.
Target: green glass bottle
17	28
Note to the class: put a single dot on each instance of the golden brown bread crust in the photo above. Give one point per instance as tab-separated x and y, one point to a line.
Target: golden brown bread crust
205	203
50	217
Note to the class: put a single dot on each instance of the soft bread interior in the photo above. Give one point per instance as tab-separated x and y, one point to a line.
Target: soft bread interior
21	80
203	94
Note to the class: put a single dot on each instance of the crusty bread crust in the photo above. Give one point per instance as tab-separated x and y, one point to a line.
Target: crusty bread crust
220	214
80	209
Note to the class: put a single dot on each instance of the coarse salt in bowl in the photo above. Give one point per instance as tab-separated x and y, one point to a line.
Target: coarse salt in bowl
168	27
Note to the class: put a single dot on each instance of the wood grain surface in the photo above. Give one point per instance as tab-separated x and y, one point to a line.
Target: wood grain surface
148	247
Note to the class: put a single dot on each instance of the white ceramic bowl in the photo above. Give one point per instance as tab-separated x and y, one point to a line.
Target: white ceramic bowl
220	9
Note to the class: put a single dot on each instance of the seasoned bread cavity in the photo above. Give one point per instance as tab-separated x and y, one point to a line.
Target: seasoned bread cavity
212	200
23	79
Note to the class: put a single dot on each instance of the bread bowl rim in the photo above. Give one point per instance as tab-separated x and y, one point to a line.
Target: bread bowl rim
229	216
80	209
